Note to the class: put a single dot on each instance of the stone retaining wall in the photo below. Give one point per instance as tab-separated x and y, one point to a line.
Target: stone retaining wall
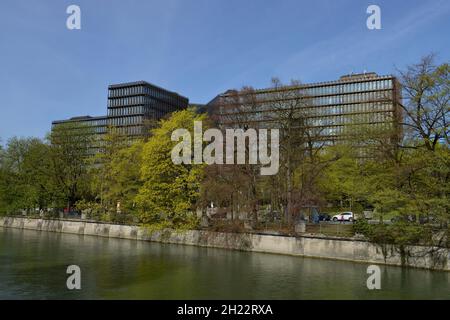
330	248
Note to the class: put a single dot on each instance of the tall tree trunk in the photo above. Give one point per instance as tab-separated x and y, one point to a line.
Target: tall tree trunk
289	184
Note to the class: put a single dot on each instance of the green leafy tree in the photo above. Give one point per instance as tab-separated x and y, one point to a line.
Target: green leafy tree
36	174
12	187
72	146
169	190
25	175
116	173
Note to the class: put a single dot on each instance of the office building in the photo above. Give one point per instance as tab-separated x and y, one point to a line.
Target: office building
133	108
331	110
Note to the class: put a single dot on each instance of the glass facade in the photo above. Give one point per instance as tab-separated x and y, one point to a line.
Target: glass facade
97	125
366	99
131	108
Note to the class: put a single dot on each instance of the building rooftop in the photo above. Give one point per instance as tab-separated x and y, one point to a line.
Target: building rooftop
359	76
350	78
141	83
81	118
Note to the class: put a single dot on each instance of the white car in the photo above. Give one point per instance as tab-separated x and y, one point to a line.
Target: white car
343	216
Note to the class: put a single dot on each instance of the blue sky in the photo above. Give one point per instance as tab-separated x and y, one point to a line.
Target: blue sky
198	48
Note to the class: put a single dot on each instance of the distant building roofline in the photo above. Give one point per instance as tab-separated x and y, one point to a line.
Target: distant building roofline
81	118
142	83
356	77
364	75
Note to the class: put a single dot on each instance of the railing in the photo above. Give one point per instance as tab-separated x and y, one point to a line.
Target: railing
337	229
119	219
280	227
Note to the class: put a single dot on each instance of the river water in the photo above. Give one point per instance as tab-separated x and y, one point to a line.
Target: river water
33	265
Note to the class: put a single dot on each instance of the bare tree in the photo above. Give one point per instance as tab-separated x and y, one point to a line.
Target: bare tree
426	92
236	109
292	112
289	109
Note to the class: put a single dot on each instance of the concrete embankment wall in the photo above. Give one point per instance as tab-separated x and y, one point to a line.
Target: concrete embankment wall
330	248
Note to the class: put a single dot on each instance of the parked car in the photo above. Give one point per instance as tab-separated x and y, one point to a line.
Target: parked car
423	219
324	217
404	218
344	216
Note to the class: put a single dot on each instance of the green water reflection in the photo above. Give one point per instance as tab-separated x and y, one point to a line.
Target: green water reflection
33	266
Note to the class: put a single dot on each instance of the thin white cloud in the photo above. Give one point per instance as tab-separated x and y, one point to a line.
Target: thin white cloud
353	45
